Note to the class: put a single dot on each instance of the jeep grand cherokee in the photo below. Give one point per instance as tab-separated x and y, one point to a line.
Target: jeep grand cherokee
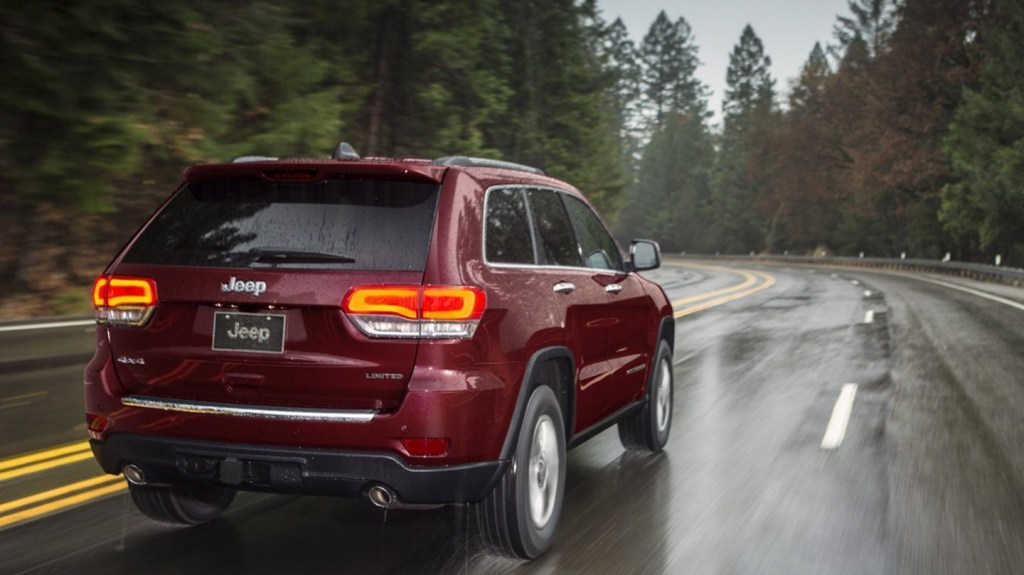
414	332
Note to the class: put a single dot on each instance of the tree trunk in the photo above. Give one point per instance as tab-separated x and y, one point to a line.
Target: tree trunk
383	83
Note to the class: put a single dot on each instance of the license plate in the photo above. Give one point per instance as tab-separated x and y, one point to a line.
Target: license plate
253	332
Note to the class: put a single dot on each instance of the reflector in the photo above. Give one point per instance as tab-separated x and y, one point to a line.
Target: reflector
426	446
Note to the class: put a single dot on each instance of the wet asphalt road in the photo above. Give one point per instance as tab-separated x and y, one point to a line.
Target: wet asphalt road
928	479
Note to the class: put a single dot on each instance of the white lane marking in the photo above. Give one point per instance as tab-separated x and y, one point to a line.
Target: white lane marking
867	293
869	317
79	323
978	293
855	282
840	417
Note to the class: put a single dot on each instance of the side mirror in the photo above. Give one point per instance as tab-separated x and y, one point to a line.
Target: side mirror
644	255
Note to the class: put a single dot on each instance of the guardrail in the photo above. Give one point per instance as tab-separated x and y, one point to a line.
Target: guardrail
981	272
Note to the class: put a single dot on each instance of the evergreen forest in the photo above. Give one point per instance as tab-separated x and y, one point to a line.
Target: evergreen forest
902	134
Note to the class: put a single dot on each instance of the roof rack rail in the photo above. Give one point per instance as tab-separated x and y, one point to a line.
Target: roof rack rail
344	151
485	163
244	159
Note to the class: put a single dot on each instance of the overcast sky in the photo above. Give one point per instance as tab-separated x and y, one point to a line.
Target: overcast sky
788	29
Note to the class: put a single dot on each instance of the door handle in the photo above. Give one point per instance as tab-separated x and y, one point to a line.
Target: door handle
613	288
564	287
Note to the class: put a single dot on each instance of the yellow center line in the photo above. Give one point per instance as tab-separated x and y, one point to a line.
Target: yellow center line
724	295
45	465
769	281
750	280
51	453
83	497
57	492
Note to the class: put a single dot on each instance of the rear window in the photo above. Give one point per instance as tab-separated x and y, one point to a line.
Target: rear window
337	224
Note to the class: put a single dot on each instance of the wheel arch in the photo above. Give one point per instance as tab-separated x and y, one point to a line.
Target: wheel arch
552	366
667	332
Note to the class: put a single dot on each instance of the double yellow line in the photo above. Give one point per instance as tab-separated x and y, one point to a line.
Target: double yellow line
35	505
753	282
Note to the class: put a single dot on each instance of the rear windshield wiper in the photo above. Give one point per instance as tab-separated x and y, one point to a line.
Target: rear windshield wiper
285	255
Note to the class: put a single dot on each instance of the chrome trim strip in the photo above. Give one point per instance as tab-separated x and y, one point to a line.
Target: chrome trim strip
252	411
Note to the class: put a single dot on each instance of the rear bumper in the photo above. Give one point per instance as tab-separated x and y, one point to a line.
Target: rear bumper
294	470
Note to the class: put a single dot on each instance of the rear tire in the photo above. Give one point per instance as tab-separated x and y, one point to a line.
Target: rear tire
181	504
648	430
520	516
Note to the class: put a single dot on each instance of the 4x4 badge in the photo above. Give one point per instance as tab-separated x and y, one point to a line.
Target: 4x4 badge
251	287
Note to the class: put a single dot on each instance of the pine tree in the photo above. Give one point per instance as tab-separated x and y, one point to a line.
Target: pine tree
749	84
808	92
559	116
803	193
984	207
622	62
673	186
669	56
744	164
871	21
898	167
670	203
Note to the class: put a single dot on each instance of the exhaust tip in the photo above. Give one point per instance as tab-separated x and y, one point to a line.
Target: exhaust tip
133	474
381	496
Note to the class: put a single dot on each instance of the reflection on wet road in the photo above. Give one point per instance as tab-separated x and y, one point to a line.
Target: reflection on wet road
926	477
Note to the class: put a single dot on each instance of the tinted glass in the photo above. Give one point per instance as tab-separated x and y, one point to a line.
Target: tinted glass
339	224
508	228
596	244
557	246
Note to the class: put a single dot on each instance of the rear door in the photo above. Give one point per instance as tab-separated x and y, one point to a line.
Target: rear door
625	306
581	300
250	275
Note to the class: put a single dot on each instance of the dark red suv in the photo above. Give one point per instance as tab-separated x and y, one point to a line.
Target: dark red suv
415	332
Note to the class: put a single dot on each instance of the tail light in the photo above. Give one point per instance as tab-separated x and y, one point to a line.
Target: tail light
121	300
433	312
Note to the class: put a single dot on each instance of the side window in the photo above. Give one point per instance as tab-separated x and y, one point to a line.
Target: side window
556	244
508	228
596	244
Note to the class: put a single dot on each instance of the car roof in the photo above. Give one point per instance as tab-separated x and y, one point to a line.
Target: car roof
408	169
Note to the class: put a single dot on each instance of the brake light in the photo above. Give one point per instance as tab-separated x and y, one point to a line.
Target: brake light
121	300
400	301
434	312
452	303
290	175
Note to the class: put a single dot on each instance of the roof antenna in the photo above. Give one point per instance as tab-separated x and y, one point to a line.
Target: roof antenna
345	151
